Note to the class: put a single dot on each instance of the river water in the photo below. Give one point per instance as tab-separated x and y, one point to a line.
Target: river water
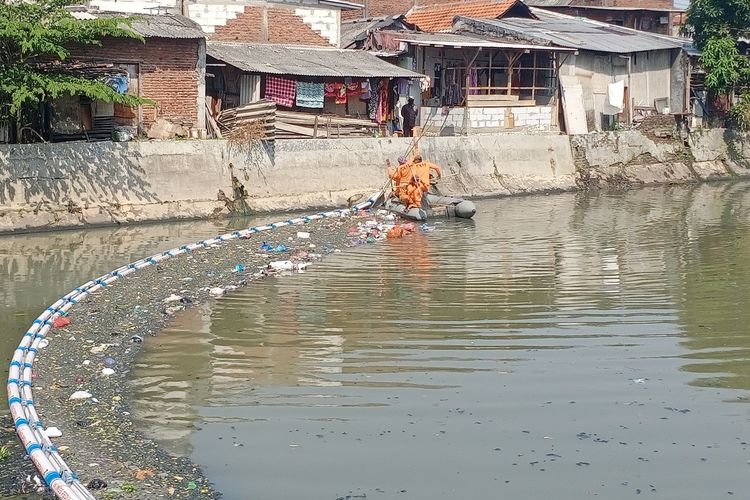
565	346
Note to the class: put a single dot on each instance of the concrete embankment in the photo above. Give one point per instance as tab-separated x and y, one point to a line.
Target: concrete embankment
46	186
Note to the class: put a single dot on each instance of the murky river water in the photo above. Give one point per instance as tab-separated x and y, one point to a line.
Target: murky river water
565	346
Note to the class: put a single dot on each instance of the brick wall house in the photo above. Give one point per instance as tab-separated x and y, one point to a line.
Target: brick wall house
167	67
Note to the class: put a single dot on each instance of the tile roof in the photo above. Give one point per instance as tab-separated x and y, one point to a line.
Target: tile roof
274	59
440	17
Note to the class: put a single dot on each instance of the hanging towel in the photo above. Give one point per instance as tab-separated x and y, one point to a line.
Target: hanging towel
366	93
615	98
281	90
403	86
310	94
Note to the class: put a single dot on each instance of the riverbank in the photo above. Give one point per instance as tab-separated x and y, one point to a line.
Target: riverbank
53	186
107	330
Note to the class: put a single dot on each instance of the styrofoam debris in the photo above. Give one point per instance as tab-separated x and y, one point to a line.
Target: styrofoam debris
53	432
282	265
216	292
303	235
107	372
80	395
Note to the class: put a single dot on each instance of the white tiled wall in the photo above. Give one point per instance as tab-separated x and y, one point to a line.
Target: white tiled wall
524	116
210	14
324	21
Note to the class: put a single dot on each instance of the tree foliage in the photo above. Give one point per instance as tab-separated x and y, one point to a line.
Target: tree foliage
716	27
35	41
708	19
724	65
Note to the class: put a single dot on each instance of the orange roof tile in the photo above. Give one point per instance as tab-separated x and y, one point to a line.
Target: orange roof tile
440	17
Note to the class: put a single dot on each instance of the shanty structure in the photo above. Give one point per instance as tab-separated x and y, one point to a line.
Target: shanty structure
167	68
315	81
614	74
477	84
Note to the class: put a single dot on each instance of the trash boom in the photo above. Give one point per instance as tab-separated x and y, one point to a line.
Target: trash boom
29	427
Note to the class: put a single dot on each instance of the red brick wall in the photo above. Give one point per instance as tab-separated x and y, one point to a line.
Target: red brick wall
168	74
283	27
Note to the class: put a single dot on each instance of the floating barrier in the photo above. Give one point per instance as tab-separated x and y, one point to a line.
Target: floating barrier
30	429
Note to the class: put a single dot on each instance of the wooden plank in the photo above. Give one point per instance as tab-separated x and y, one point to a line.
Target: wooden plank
212	123
492	97
501	104
286	127
573	106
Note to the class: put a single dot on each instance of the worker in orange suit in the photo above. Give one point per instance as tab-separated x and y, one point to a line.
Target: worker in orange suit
412	180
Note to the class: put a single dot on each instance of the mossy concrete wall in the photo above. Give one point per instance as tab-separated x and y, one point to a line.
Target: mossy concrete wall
47	186
623	159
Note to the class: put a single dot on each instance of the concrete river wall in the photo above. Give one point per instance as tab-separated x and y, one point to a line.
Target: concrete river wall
47	186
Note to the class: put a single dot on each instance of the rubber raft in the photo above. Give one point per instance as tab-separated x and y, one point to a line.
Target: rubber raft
437	206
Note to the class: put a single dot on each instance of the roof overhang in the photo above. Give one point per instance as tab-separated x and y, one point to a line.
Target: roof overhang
316	62
477	43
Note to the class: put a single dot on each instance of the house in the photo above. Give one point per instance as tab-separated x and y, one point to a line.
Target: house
167	68
649	72
316	82
481	85
655	16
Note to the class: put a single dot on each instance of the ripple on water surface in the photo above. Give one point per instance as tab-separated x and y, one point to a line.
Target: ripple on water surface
555	347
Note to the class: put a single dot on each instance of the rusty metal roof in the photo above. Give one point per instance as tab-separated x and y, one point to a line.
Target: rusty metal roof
573	32
305	61
468	41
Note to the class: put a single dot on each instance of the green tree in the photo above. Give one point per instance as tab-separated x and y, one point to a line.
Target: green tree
716	26
35	41
707	19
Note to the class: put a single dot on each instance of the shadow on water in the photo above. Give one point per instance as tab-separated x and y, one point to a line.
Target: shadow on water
555	348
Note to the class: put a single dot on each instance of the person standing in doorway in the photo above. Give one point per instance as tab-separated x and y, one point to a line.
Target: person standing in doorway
409	115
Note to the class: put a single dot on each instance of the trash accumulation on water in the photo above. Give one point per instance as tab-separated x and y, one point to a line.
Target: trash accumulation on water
80	376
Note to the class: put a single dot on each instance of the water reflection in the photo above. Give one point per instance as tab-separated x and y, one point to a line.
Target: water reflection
557	334
36	269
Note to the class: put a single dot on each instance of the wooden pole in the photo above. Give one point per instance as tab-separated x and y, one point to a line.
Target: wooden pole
533	79
489	75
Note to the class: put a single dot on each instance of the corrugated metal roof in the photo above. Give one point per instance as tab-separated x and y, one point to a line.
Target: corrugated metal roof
440	17
151	25
460	41
580	33
548	3
167	26
357	29
304	61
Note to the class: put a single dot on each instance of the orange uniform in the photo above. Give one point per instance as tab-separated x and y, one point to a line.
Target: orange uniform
411	181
